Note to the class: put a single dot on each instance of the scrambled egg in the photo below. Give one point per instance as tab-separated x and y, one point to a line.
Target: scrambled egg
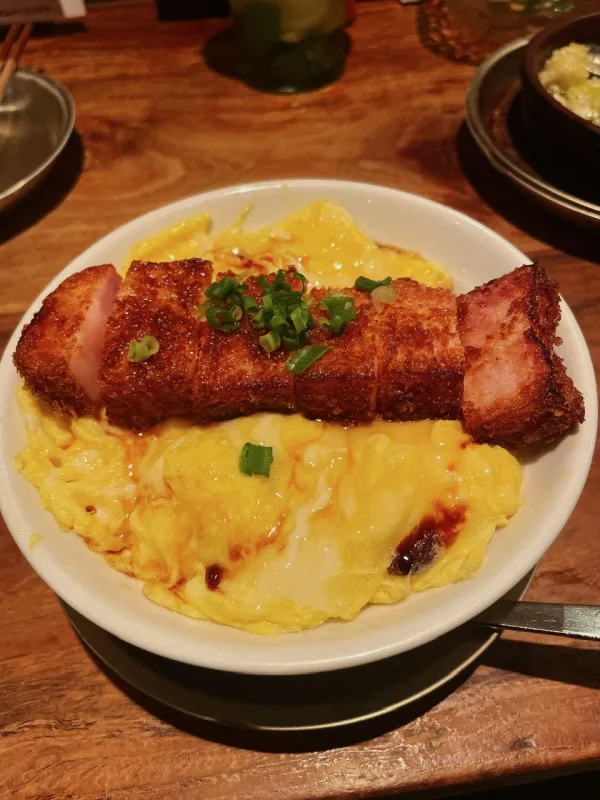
316	539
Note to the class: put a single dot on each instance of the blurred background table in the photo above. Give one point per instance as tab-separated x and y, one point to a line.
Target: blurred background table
154	124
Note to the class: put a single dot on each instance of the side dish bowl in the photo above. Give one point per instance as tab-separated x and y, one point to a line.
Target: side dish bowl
553	480
556	128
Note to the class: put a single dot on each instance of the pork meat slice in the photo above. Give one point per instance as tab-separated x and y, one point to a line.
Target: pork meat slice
60	350
516	388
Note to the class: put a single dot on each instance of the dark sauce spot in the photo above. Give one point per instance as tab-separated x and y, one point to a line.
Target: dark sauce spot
213	576
435	532
90	509
466	443
235	552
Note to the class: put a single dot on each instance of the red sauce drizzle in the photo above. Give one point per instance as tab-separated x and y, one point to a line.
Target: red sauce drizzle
435	532
213	576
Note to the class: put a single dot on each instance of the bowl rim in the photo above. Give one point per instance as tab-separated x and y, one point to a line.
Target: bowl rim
65	97
143	634
531	51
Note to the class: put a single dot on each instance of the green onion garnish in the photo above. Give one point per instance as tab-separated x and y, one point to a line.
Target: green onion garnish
278	320
250	303
291	341
279	282
223	319
225	305
260	319
270	341
299	317
219	290
256	459
284	312
143	349
367	285
302	359
341	311
263	283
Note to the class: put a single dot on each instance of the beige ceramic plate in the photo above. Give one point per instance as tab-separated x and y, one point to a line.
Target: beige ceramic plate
36	120
492	115
294	703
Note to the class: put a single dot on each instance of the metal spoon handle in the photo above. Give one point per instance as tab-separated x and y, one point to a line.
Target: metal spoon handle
557	619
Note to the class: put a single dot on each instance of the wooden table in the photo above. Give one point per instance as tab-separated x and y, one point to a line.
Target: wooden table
155	124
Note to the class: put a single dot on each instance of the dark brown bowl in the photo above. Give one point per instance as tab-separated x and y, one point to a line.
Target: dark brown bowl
560	132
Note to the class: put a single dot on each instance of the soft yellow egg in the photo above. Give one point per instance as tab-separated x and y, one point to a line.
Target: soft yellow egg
325	243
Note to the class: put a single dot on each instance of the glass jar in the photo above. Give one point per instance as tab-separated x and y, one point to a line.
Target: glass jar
290	45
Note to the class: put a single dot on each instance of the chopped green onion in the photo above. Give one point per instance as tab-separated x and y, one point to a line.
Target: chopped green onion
303	358
367	285
334	325
291	341
143	349
279	282
286	298
249	303
237	313
278	320
222	319
299	317
260	319
270	341
218	290
256	459
263	283
341	310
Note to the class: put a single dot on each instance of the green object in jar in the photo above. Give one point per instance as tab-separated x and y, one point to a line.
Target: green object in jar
290	45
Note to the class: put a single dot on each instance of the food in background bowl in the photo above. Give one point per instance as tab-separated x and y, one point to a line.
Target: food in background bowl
275	522
566	75
550	124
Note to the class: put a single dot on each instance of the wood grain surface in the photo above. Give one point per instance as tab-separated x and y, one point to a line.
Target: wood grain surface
154	124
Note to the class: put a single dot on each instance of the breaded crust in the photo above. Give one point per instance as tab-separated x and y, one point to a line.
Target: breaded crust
342	384
236	376
156	299
49	342
517	390
421	359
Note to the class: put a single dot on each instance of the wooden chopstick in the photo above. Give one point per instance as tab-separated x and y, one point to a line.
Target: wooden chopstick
11	51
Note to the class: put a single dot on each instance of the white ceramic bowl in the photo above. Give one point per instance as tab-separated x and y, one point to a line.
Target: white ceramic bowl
473	254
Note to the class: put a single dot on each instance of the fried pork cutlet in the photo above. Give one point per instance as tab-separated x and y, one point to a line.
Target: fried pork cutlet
421	359
516	388
60	350
159	300
342	384
235	374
